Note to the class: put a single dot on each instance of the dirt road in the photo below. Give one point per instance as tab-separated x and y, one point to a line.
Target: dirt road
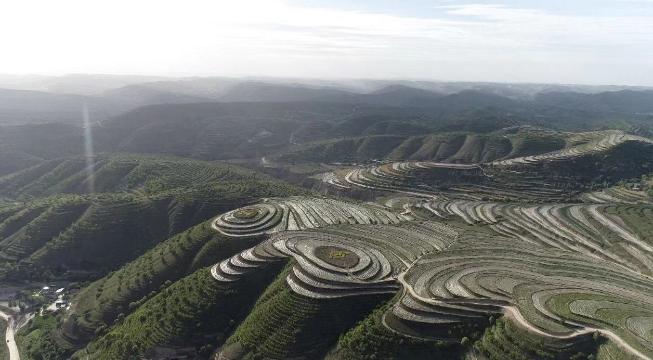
9	336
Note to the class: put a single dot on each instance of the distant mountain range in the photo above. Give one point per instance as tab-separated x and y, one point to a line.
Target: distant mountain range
38	99
223	118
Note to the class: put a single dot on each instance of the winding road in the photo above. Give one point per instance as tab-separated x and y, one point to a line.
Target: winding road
9	335
513	313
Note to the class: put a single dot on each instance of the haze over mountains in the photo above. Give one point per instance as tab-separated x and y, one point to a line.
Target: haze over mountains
24	98
223	118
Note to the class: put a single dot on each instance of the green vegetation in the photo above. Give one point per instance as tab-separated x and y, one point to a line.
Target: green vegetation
181	313
122	291
36	341
284	324
4	350
151	199
485	218
506	341
446	147
146	175
370	340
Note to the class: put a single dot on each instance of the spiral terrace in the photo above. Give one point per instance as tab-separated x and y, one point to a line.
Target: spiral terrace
453	258
565	270
276	215
520	177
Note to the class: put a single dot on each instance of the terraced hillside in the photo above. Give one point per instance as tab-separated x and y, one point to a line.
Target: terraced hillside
590	160
440	147
582	144
199	246
96	305
449	279
441	180
523	259
428	300
595	230
640	192
118	173
275	215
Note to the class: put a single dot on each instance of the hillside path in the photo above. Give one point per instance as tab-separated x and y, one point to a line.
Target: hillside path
9	336
513	313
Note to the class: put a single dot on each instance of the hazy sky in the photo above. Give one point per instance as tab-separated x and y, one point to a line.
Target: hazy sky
570	41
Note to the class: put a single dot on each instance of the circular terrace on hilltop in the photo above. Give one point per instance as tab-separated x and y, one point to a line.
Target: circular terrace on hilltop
248	221
247	213
337	256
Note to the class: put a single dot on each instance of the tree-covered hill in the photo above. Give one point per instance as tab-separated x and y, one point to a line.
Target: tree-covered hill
456	147
55	226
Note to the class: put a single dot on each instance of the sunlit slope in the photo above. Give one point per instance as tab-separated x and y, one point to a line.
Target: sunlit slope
618	233
443	180
581	144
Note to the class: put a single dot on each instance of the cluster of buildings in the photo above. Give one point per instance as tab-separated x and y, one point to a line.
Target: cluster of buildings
57	297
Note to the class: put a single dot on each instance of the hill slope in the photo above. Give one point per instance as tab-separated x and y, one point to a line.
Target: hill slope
443	147
144	200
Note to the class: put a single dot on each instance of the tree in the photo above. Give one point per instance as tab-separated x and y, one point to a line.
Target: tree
120	318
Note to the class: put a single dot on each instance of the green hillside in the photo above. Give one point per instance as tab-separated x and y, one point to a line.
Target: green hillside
179	314
122	291
370	340
428	271
144	201
285	325
443	147
505	340
146	175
